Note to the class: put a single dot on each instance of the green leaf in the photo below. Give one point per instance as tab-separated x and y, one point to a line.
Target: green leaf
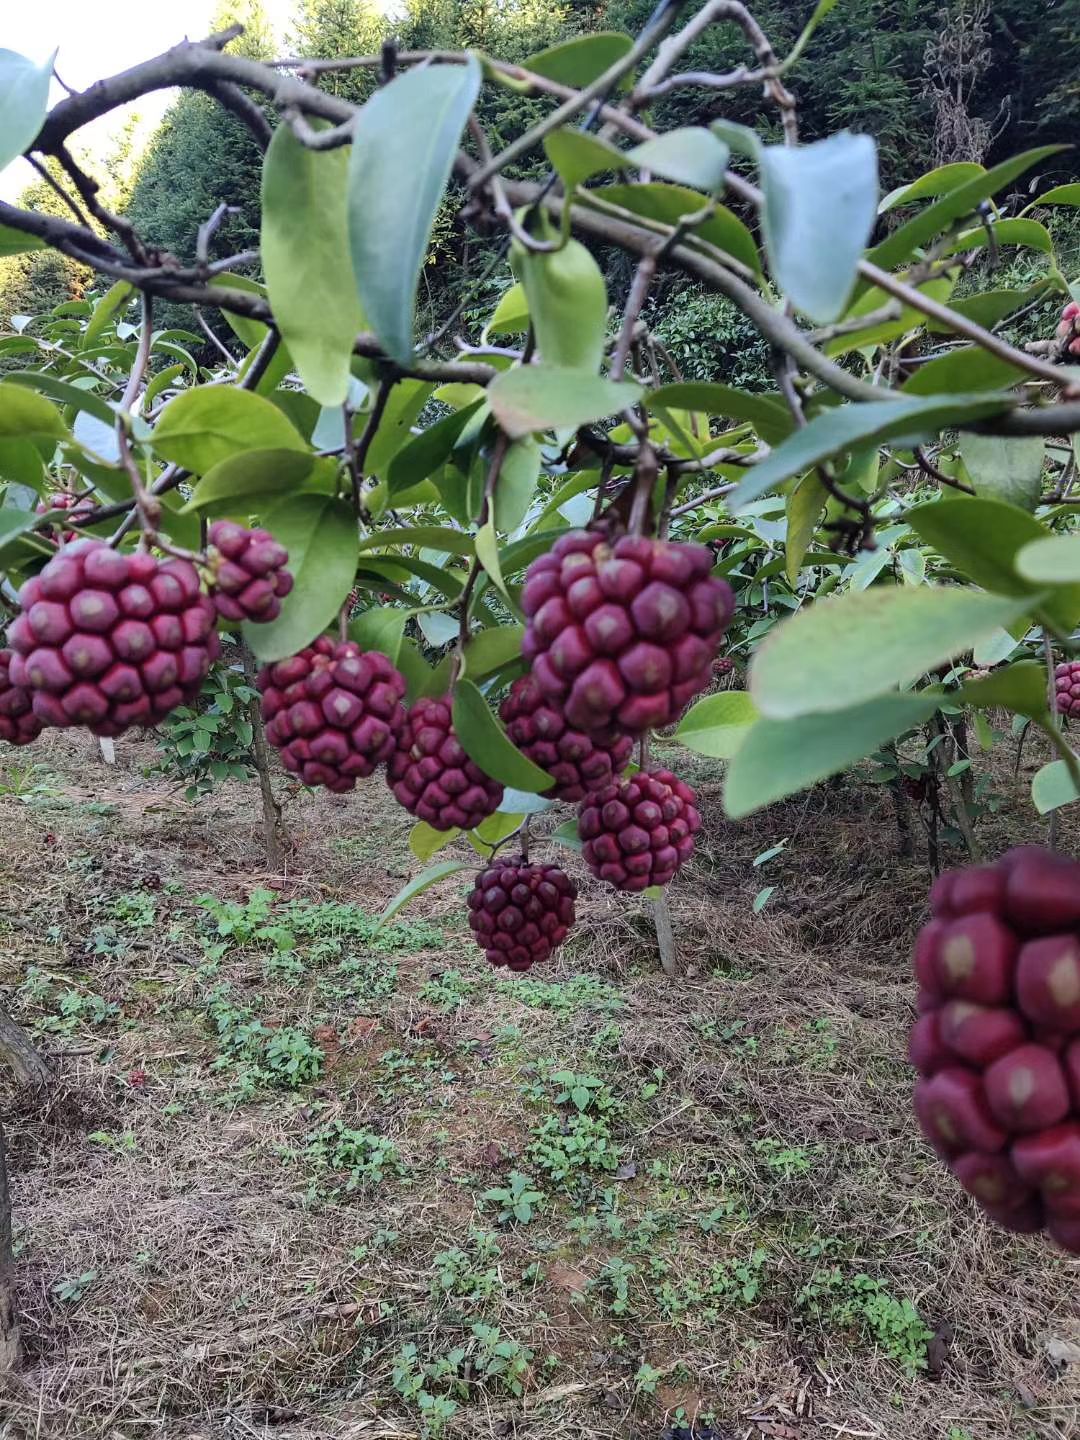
1020	687
428	537
416	886
15	242
485	742
718	724
492	830
21	462
968	368
159	382
567	300
407	399
567	834
534	398
846	426
72	396
305	256
577	156
820	207
780	757
1052	786
580	61
516	485
1003	469
1053	560
511	315
487	552
1059	195
803	509
24	98
112	303
963	200
691	156
770	418
320	535
669	204
934	182
489	650
1027	233
247	482
425	841
381	628
846	650
248	331
520	803
821	9
404	143
424	453
200	428
25	415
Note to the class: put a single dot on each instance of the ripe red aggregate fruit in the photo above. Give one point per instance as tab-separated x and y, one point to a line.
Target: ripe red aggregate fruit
1068	326
250	579
579	762
18	723
623	635
334	711
431	775
997	1042
79	506
111	640
519	912
1067	687
639	831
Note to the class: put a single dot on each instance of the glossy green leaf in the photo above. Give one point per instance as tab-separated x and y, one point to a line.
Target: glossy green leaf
111	305
425	841
820	207
770	418
1021	688
320	535
516	485
200	428
1005	469
17	242
248	331
424	453
834	431
422	882
580	61
781	757
1053	560
933	183
489	650
990	307
533	398
846	650
718	724
305	256
965	369
511	315
24	98
567	834
407	399
492	830
404	143
382	628
668	204
250	481
73	397
690	156
430	537
25	415
567	300
1029	234
577	156
879	332
20	462
487	552
1052	787
159	382
803	511
485	741
1059	195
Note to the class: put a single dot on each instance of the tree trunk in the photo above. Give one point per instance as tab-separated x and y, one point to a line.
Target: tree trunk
271	810
18	1052
9	1315
665	936
905	840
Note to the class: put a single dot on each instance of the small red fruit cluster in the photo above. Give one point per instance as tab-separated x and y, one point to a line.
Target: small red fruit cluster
638	832
18	723
1068	330
578	761
250	579
433	777
1067	687
519	912
997	1044
80	508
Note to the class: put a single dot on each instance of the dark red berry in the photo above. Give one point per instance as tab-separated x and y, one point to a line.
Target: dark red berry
623	635
88	661
519	912
334	711
250	579
78	506
580	763
997	1042
433	777
639	831
18	723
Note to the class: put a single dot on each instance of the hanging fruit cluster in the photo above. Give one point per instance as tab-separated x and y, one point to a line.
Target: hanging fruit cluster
997	1044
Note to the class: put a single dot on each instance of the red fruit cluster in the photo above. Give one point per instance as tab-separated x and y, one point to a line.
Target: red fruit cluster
997	1045
111	640
519	912
724	666
18	723
250	579
1068	330
334	712
623	635
639	832
432	776
1067	686
80	508
579	762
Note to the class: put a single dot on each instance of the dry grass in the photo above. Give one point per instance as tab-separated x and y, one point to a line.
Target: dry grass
238	1289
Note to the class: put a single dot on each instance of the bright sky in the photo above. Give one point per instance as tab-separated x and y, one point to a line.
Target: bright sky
100	37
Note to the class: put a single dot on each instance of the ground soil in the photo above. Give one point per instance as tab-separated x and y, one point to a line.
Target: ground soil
736	1216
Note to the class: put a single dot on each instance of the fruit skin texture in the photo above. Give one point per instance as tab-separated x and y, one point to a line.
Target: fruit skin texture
623	635
997	1042
1067	687
639	831
580	763
110	640
431	775
250	579
519	912
18	723
334	711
